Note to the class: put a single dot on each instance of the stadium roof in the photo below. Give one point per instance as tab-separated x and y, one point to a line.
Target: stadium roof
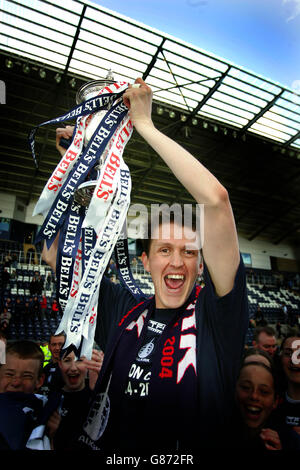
245	128
84	39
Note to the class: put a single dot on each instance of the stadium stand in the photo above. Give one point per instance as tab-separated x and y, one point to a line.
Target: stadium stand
262	288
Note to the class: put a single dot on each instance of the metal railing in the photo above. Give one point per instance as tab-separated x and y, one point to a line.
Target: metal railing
14	257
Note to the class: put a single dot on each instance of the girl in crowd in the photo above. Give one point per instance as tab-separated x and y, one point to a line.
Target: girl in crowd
79	377
256	398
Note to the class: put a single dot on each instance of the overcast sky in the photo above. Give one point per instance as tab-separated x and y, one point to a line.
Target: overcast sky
262	36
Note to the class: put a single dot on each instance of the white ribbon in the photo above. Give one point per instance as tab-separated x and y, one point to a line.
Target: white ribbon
79	309
72	154
62	170
106	215
38	439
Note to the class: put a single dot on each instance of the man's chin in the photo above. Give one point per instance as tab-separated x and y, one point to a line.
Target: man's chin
173	301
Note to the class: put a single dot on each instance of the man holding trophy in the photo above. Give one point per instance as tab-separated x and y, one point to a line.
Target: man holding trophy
171	361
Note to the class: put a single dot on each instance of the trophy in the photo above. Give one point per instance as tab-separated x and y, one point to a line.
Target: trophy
84	192
89	229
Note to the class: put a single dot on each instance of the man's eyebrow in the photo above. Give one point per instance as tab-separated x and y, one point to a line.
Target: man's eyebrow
162	242
188	246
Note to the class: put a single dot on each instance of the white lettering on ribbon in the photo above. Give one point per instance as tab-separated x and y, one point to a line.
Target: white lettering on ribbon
82	307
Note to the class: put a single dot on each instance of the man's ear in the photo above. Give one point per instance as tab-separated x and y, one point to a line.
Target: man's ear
145	261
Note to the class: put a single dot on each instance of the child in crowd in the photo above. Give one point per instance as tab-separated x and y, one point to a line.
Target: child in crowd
23	370
21	376
79	377
257	398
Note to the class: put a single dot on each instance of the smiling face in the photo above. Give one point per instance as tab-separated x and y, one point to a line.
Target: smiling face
174	264
20	375
73	373
255	395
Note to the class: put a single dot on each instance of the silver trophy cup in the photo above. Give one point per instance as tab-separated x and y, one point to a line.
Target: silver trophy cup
84	192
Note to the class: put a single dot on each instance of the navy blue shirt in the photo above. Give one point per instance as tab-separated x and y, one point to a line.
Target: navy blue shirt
221	324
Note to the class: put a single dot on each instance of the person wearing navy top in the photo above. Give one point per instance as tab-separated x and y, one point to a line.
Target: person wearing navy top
171	361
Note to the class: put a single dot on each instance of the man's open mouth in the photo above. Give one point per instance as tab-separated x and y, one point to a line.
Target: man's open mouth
174	281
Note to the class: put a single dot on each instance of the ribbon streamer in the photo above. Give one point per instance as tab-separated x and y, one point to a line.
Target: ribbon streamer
87	236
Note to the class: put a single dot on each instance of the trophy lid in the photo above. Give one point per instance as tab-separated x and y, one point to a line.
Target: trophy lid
93	86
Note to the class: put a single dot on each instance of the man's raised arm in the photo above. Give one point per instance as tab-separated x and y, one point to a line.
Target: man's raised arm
220	248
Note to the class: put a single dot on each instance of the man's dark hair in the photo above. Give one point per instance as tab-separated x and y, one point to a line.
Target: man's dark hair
54	335
157	219
263	329
26	349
